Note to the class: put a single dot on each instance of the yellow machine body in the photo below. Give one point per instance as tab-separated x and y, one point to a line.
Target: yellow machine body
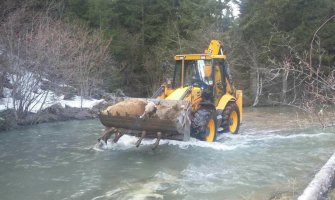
197	78
214	52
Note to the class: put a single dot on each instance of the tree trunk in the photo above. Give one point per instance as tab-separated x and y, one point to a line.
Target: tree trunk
321	182
81	96
284	86
259	87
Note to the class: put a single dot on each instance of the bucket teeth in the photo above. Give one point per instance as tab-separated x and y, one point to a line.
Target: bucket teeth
159	136
140	139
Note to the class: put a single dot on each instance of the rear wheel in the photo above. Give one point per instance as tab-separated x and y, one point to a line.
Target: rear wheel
231	118
204	124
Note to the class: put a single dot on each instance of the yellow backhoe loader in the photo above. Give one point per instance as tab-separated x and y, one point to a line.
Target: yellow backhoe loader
200	102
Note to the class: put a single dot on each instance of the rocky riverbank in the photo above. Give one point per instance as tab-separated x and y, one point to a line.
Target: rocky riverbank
63	111
49	102
53	113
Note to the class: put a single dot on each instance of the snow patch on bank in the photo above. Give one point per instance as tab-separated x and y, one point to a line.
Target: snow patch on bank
76	102
51	99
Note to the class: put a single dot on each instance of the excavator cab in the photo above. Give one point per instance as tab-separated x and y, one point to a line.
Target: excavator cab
205	74
196	72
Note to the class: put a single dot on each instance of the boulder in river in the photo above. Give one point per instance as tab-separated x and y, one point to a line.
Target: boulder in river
57	112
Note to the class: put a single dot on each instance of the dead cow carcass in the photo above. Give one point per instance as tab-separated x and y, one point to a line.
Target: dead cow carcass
147	119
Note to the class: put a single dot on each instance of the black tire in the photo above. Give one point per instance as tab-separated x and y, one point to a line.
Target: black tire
202	118
227	120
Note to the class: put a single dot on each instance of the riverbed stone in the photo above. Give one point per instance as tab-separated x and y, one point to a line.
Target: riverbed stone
57	112
7	120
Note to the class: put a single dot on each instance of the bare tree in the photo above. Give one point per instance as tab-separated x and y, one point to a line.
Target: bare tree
74	54
301	83
24	77
38	47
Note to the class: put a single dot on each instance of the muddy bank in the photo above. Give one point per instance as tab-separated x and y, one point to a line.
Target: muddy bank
53	113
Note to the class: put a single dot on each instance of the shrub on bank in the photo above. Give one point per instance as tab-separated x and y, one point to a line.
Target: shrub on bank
7	120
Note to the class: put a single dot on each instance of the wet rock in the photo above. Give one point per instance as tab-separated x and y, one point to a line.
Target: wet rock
2	124
57	112
119	93
97	93
7	120
69	92
101	106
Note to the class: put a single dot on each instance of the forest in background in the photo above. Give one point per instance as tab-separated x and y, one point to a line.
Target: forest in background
280	52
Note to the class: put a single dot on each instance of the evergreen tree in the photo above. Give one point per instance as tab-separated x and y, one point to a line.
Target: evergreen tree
147	33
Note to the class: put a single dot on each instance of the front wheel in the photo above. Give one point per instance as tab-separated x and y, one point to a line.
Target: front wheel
204	124
231	118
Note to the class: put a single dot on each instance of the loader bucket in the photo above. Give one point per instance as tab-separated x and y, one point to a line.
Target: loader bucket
170	117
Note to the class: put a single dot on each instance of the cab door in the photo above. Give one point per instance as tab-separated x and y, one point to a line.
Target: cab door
219	88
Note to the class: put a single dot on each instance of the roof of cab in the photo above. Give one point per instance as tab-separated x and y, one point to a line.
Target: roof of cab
198	57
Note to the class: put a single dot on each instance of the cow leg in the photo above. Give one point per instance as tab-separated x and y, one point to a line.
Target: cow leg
118	135
107	134
159	136
140	139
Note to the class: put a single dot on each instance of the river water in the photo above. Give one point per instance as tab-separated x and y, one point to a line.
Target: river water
273	157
